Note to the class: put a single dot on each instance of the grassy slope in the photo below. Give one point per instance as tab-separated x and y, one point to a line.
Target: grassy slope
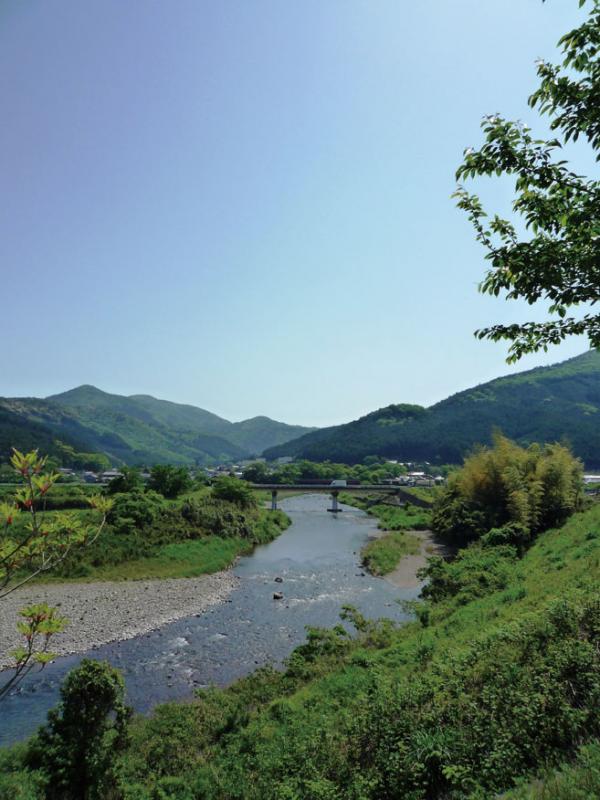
577	781
289	718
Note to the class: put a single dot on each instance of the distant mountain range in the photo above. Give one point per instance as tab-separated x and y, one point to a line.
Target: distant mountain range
548	404
134	430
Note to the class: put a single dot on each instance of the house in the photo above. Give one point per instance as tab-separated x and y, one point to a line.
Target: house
109	475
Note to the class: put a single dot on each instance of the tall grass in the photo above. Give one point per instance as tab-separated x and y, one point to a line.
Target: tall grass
382	556
177	560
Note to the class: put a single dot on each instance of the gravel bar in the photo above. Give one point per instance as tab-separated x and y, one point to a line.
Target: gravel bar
103	612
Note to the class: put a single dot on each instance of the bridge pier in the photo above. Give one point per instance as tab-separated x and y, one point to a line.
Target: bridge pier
334	503
274	500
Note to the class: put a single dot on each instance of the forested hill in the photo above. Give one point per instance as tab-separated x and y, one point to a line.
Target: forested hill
561	402
133	430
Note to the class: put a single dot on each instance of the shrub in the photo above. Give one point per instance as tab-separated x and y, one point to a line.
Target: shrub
513	533
474	573
169	481
217	518
517	698
76	749
235	491
535	487
129	480
134	510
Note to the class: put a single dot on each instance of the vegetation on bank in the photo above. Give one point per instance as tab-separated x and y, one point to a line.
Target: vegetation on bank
507	494
149	537
497	680
382	556
149	534
579	780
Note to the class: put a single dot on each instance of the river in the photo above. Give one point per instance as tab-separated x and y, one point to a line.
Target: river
318	560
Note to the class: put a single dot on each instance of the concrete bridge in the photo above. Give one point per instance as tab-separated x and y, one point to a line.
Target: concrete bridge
334	491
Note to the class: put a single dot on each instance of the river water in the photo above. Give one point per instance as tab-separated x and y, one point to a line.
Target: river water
318	558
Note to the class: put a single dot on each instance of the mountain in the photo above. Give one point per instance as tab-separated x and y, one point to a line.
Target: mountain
27	423
560	402
252	433
136	429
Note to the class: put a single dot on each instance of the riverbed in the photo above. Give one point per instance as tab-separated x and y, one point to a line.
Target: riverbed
316	562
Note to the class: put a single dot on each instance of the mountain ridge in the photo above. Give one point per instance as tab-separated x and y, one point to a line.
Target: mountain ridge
136	428
548	403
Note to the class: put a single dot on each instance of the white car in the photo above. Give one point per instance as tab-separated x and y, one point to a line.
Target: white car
339	484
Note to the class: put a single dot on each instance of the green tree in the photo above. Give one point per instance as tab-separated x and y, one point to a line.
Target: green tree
76	749
133	511
32	543
169	481
531	488
234	490
557	259
128	480
257	472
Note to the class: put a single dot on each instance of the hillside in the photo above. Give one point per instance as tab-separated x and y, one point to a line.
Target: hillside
136	429
544	404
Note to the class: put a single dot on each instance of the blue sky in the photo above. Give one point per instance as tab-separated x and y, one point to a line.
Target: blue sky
245	205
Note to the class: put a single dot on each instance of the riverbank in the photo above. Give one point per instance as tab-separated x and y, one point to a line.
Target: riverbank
403	543
108	611
405	574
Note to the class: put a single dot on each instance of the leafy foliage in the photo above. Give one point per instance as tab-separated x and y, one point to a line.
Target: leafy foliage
234	491
128	480
533	488
77	748
578	781
35	545
169	481
558	259
134	510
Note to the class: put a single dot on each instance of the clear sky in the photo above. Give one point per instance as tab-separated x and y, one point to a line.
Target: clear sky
245	204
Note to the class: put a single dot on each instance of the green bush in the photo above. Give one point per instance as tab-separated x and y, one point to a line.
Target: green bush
76	750
16	781
535	488
217	517
134	510
474	573
578	781
129	480
514	700
234	491
169	481
513	533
